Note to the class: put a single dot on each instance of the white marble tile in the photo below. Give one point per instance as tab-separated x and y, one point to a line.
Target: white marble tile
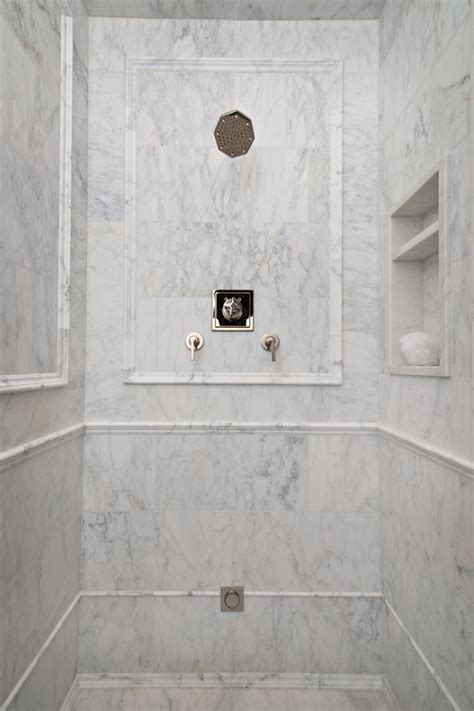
458	215
44	496
229	9
423	31
145	550
343	473
193	550
359	176
196	472
306	551
32	602
427	527
156	699
204	185
222	699
30	217
271	635
119	473
115	635
420	132
176	259
409	679
433	411
49	682
283	260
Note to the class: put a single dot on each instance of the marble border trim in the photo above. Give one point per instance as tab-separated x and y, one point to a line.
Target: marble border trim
423	658
216	593
459	465
237	680
36	381
12	456
221	427
39	654
334	69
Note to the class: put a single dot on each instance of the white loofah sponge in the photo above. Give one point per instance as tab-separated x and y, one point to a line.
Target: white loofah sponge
420	348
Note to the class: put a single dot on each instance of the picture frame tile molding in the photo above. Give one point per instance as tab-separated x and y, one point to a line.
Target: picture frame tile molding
334	69
58	378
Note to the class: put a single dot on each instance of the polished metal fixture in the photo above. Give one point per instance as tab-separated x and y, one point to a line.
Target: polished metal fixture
234	133
232	310
270	342
232	599
194	342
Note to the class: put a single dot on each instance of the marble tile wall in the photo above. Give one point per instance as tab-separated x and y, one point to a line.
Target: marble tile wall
176	512
40	492
284	242
424	116
191	634
40	525
428	564
29	135
50	681
427	519
192	511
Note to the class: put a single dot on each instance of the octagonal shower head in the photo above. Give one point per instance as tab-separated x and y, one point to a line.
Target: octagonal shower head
234	133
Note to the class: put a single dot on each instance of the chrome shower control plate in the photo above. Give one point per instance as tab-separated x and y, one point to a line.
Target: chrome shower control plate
232	310
232	598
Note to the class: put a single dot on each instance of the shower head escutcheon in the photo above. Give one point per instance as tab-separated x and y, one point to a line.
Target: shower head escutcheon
234	134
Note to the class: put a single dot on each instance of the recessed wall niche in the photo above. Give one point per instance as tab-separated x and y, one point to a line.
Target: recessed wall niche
418	273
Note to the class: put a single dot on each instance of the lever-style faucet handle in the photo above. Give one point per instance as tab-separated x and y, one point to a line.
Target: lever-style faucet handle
194	342
270	342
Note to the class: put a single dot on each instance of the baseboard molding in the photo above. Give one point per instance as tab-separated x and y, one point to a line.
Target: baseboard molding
233	680
335	682
37	446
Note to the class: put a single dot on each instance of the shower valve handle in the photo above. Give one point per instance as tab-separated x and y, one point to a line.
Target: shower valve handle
194	342
270	342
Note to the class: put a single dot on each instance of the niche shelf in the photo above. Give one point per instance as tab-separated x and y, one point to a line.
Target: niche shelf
418	273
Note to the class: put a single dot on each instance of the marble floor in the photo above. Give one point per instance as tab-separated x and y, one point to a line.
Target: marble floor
176	699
